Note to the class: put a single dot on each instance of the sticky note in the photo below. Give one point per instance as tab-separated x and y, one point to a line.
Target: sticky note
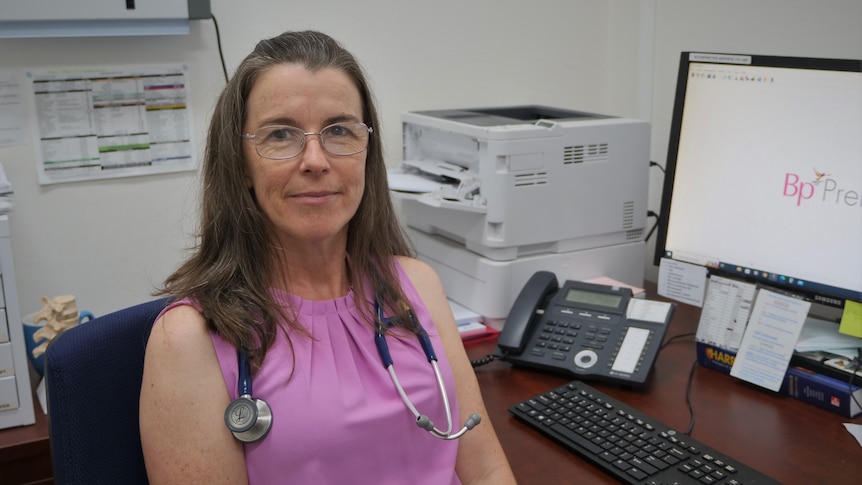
851	320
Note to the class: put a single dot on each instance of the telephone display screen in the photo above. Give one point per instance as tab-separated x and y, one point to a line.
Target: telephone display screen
593	298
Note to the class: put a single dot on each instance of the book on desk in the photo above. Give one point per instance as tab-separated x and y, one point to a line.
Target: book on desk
807	385
835	395
734	310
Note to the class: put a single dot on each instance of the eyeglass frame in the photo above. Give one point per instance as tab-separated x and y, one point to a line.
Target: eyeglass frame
302	144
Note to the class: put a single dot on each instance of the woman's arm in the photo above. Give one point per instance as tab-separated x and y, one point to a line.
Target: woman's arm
183	399
481	459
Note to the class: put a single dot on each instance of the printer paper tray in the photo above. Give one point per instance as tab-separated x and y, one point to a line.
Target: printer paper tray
431	201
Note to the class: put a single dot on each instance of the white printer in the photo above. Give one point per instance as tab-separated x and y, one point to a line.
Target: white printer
491	195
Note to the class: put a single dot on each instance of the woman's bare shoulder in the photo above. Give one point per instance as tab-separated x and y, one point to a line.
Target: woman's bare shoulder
183	398
418	271
181	326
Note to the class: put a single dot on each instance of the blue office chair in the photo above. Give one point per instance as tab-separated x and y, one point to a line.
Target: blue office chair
93	375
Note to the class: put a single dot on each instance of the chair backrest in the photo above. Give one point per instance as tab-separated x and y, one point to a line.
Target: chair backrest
93	375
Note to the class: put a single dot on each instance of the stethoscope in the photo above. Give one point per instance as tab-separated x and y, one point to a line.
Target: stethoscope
422	420
250	419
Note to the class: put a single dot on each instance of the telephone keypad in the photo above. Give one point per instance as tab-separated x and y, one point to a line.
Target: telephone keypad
580	341
566	332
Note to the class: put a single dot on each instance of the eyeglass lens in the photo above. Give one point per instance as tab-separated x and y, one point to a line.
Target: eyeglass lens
282	142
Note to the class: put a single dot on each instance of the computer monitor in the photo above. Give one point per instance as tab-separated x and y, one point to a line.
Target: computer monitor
763	179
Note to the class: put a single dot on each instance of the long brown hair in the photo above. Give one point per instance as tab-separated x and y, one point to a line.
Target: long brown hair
229	272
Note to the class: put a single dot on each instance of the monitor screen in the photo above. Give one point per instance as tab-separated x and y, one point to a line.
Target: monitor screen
763	179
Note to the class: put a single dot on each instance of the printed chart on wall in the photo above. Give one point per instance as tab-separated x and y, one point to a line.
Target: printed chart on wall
108	122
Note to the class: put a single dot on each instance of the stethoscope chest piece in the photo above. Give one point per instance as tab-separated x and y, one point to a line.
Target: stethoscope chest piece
249	419
241	414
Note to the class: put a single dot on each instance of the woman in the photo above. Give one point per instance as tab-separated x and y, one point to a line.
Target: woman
300	258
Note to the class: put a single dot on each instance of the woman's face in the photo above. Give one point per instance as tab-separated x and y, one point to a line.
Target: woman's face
310	198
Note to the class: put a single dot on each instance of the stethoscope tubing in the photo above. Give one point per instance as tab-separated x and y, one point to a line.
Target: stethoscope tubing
428	349
421	419
244	380
244	385
253	418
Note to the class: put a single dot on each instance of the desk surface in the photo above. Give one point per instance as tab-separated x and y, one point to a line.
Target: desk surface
25	455
787	439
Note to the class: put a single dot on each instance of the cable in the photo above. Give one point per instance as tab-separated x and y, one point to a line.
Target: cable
483	361
654	164
853	366
651	213
688	398
220	53
675	337
688	382
654	226
850	386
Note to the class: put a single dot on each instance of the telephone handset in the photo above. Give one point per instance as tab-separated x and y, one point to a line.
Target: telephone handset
535	293
581	329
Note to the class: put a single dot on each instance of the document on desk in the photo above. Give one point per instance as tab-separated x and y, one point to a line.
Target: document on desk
725	313
773	328
648	310
681	281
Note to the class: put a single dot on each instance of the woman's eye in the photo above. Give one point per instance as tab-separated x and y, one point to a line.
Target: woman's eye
338	130
281	134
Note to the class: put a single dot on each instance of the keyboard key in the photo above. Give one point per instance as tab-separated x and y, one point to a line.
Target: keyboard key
577	439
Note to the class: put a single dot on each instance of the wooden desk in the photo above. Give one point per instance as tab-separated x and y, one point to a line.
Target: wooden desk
25	454
789	440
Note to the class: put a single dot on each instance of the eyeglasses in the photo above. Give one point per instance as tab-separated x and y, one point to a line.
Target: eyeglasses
280	142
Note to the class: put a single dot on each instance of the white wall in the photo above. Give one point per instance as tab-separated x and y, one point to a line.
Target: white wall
110	242
807	28
107	242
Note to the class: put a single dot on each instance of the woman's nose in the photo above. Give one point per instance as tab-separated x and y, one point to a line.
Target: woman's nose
314	156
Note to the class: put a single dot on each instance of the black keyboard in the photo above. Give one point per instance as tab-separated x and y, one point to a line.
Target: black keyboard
627	443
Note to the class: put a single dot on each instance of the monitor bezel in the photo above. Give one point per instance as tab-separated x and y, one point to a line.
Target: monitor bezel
685	60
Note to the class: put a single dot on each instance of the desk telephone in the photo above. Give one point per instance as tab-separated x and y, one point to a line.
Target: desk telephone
581	330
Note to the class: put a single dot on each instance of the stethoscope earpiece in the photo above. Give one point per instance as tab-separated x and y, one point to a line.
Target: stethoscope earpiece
422	420
425	423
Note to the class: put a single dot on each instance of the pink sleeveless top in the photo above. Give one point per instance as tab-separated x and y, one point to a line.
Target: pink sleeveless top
339	418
